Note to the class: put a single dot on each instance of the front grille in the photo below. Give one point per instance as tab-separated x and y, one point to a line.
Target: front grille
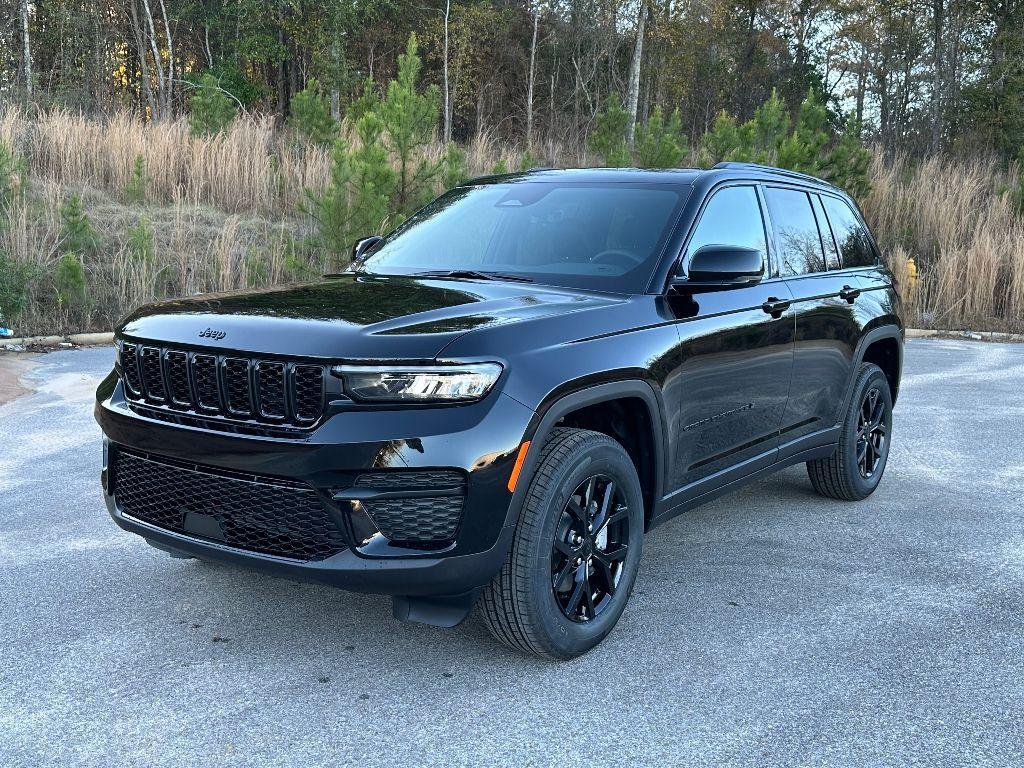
416	520
254	513
229	387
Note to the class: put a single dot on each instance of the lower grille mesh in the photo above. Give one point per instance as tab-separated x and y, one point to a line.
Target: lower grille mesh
430	520
256	514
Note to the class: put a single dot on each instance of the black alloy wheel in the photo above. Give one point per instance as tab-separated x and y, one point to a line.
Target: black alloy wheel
589	549
872	432
854	469
576	551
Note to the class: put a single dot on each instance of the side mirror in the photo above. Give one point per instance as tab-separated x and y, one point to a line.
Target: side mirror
721	268
363	245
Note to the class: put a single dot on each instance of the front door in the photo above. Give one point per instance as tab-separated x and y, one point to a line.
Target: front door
736	357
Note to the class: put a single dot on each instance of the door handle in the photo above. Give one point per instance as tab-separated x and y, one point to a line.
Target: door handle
849	293
775	307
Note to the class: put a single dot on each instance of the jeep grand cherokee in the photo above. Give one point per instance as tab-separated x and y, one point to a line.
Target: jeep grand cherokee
498	399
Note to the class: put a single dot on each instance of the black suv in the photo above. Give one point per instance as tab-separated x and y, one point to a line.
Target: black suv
501	397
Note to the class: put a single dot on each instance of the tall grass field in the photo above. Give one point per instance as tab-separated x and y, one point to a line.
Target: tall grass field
156	211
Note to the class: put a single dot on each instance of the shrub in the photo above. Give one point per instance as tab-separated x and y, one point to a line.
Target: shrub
454	166
15	277
140	242
69	281
609	137
135	189
311	116
211	109
77	234
12	177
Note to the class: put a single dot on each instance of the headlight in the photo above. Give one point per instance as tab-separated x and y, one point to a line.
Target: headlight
418	383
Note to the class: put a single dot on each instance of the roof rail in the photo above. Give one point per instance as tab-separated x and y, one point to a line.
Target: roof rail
770	169
483	176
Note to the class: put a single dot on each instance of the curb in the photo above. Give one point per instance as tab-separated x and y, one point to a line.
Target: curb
922	333
78	339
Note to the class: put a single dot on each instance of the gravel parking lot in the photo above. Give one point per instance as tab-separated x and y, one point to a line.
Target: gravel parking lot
770	627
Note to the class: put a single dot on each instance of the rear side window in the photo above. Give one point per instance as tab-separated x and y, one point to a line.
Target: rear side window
731	217
831	253
796	232
854	244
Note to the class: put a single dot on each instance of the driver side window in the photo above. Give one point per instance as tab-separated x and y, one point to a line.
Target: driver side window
731	217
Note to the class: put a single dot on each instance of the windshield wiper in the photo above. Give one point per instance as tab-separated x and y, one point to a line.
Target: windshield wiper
475	274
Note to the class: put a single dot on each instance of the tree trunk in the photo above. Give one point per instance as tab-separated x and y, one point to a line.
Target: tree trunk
634	73
938	24
140	47
26	50
447	87
161	86
530	82
170	60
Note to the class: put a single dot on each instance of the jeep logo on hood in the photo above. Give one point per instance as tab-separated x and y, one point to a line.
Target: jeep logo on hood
209	333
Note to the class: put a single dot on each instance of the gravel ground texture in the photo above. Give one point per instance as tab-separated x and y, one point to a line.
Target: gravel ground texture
769	628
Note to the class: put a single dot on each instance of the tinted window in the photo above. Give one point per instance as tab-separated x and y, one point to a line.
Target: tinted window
602	236
796	232
831	254
731	217
854	245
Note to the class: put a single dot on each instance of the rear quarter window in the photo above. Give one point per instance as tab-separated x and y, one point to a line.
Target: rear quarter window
855	249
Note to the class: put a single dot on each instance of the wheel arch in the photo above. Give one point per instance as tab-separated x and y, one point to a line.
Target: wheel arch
634	404
884	347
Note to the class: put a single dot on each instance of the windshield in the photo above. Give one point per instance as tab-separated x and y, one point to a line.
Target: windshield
598	236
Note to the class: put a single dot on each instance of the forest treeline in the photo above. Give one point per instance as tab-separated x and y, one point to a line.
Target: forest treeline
151	148
912	76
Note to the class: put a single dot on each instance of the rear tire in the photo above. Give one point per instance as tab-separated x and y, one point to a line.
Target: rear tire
576	550
853	472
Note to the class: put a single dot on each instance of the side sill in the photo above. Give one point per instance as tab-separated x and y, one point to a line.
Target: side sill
818	452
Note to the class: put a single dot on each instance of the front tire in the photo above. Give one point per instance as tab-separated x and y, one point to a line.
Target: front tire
853	472
576	551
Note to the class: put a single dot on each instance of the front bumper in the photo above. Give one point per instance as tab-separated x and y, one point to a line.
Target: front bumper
479	440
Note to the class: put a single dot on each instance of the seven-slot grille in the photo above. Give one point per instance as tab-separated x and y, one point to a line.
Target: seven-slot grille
223	385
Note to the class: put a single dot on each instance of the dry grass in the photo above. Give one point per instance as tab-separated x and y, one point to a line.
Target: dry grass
224	214
959	223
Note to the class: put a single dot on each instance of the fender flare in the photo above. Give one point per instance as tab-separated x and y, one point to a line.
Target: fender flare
546	420
869	338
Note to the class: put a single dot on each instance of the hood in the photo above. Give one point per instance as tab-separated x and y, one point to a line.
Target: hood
352	317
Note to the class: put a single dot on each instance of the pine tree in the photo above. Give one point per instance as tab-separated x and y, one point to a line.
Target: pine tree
77	233
211	110
410	121
727	141
609	137
311	116
768	129
69	281
661	144
135	189
846	165
357	201
804	150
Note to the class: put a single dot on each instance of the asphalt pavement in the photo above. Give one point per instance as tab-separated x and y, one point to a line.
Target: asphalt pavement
769	628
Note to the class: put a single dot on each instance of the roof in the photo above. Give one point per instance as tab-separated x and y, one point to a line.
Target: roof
651	176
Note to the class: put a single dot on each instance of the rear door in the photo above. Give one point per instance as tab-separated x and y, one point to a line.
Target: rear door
827	328
730	387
